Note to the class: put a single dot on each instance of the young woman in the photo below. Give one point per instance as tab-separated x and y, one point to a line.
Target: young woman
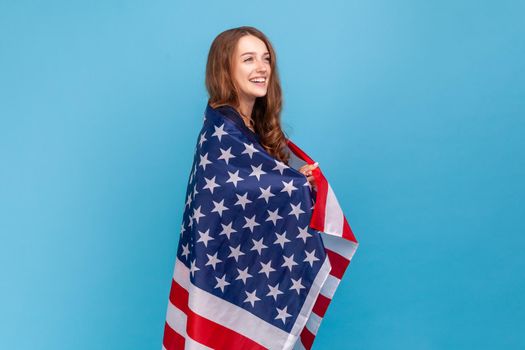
263	240
241	75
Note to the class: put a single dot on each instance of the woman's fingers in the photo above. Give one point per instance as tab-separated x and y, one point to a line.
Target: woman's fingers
307	168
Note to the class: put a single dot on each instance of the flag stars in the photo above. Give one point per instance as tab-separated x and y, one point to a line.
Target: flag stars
288	187
249	149
310	257
281	239
297	286
227	230
257	172
265	194
204	237
303	233
243	275
202	139
242	200
251	298
273	216
235	252
210	184
282	314
219	132
289	262
296	210
204	161
266	268
226	155
221	282
193	268
185	251
250	223
258	245
274	291
234	178
280	166
213	260
197	214
219	207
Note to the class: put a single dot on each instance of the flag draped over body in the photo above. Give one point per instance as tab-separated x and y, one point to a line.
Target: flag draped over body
260	252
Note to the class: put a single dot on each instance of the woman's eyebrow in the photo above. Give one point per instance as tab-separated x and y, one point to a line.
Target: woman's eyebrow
253	53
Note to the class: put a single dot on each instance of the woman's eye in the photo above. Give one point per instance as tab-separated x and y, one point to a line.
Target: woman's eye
247	59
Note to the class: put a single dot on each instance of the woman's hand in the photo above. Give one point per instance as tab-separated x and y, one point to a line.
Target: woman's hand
306	170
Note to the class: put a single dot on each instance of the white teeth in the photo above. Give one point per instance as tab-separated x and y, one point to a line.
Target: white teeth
258	80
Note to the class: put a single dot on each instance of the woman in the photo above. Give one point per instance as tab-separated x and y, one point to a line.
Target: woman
251	86
257	262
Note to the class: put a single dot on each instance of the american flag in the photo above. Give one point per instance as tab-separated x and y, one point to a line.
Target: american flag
260	252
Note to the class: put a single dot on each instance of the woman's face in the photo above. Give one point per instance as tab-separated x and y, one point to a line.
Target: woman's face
251	67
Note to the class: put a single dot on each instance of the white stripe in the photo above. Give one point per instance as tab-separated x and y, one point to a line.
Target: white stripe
333	218
330	286
227	314
177	319
306	310
313	323
341	246
299	345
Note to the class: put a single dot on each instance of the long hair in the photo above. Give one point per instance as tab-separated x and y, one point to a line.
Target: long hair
266	113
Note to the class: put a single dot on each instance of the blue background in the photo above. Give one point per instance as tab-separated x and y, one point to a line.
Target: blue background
414	110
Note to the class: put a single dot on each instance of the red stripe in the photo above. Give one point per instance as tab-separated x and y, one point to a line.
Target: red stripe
307	338
321	304
318	214
338	262
347	231
172	340
205	331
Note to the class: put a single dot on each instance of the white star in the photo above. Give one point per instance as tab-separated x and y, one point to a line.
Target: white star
235	253
193	268
204	161
226	155
182	228
221	283
265	193
289	262
280	166
251	298
258	245
185	251
202	139
204	237
282	314
197	214
281	239
188	200
243	275
310	257
242	200
274	291
266	268
213	260
249	149
297	286
273	216
296	210
219	207
304	233
227	230
250	223
234	178
219	131
288	187
257	171
210	184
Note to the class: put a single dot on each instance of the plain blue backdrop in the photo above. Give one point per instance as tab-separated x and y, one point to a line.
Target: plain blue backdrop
413	109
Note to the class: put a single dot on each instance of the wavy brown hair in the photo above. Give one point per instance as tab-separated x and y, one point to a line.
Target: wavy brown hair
266	113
